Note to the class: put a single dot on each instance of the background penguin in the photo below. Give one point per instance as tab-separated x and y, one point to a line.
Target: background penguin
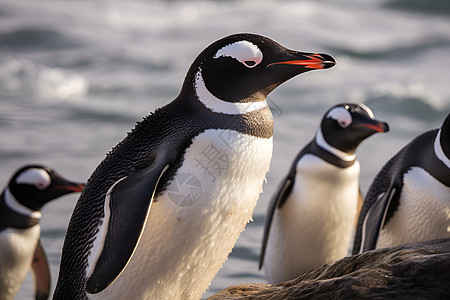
163	210
28	190
409	199
312	216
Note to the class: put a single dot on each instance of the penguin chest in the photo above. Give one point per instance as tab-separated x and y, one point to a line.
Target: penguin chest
195	222
17	248
315	225
423	212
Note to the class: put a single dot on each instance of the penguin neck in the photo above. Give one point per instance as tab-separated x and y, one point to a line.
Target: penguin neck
17	207
320	140
438	150
220	106
15	215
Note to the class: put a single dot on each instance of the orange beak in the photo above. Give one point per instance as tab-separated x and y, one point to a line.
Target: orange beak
72	187
377	127
315	61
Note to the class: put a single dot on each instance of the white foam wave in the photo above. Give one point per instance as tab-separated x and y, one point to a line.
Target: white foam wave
24	78
419	91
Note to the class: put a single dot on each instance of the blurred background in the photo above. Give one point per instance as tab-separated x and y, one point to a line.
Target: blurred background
75	76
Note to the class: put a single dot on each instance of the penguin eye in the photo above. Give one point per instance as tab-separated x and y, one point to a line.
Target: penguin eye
250	63
343	123
41	185
37	177
244	52
341	115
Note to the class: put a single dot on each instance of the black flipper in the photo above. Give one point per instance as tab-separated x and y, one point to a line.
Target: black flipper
277	201
130	200
376	216
41	273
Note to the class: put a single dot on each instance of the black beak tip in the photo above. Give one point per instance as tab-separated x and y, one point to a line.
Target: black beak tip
386	127
328	61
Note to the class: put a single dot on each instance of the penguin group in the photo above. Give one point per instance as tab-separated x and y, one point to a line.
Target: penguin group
310	219
135	233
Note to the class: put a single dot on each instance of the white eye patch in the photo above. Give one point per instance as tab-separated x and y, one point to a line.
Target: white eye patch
341	115
37	177
245	52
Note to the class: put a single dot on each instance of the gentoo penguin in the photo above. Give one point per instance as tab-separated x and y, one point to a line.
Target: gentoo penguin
409	199
28	190
162	211
312	216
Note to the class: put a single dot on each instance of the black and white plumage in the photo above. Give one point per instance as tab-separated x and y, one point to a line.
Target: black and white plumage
409	199
30	188
162	211
311	218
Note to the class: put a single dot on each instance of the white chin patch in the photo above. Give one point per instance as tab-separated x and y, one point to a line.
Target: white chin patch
219	106
341	115
37	177
244	52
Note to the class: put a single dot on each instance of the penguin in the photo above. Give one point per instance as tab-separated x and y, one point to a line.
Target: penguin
162	211
311	217
409	199
29	188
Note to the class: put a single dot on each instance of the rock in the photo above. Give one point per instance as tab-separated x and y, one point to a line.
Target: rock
410	271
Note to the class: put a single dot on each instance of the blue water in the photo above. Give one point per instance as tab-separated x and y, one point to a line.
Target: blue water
75	76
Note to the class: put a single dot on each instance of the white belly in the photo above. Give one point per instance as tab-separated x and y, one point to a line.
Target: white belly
315	225
17	248
188	238
423	213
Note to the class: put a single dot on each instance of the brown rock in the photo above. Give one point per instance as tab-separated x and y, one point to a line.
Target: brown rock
410	271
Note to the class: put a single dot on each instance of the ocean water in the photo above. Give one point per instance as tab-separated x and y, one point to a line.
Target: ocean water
75	76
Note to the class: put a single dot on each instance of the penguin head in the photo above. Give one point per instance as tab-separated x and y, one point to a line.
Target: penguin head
35	185
346	125
247	67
